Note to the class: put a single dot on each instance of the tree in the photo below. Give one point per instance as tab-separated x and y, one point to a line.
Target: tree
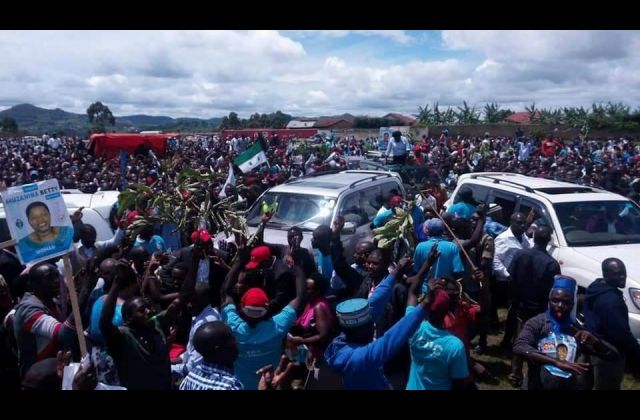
493	114
425	115
467	114
533	112
8	125
234	121
100	116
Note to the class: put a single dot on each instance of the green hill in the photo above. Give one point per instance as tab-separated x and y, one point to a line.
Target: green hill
33	120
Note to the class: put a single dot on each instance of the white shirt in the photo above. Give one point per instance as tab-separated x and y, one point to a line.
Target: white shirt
54	142
506	245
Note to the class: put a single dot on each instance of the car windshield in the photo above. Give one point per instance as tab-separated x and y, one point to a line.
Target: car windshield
599	223
302	210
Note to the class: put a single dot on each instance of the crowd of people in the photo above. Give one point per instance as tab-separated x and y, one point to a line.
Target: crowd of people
191	313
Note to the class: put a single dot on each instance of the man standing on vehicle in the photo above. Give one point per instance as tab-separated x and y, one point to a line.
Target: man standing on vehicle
398	148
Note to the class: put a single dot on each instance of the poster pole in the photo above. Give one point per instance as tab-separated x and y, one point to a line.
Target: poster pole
74	304
7	244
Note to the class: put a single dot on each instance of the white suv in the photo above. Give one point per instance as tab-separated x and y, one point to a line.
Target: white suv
589	225
312	201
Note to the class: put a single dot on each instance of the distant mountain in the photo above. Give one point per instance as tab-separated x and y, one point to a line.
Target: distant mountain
146	120
35	121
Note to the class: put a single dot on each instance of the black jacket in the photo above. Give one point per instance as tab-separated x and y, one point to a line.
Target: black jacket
532	272
607	316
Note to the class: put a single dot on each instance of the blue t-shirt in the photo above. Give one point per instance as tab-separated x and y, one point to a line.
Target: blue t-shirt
155	244
324	264
448	263
462	209
94	328
258	346
382	217
31	250
437	357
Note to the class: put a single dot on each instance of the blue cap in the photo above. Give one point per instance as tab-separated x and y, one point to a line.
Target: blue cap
564	283
354	313
435	227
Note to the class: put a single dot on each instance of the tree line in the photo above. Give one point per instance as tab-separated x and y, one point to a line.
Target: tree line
609	115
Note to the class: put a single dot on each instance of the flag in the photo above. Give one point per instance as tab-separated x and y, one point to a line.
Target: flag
252	157
231	180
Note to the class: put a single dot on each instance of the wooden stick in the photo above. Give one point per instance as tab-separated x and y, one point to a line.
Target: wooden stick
7	244
75	307
455	238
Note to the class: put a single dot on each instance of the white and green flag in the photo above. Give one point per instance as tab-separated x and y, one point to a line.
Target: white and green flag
251	158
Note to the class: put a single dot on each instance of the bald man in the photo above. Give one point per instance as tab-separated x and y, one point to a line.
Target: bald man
219	349
607	316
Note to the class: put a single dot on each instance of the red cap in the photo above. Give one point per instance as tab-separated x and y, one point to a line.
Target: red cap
254	303
396	200
259	255
440	305
201	234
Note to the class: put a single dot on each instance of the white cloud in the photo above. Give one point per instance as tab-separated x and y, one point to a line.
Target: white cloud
316	97
398	36
210	73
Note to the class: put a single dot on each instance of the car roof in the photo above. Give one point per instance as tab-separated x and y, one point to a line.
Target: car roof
553	191
330	185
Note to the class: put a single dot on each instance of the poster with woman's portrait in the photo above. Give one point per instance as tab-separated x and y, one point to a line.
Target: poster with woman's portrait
38	220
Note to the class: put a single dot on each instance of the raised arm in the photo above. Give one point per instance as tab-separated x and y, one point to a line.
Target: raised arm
349	276
415	281
123	274
387	346
226	294
301	278
384	291
467	244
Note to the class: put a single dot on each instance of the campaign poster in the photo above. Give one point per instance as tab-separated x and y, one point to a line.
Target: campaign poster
38	220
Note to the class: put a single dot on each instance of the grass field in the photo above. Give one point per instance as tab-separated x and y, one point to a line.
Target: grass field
499	365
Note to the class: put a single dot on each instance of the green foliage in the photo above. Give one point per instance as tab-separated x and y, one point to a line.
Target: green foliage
100	116
467	114
8	125
493	114
399	227
376	122
274	120
192	203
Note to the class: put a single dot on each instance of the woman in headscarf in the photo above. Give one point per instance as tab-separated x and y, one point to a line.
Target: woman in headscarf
552	341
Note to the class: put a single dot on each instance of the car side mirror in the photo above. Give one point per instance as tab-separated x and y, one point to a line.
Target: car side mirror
349	228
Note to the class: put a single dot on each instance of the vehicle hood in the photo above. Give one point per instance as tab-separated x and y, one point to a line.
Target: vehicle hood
628	253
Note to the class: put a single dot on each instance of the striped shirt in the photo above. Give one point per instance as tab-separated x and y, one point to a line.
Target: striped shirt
210	377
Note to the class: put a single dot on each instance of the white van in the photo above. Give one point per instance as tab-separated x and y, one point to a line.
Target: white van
582	238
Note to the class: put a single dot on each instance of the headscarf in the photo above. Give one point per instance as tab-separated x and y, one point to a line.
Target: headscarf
568	285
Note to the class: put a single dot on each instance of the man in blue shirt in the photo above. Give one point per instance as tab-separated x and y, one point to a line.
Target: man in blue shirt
147	240
353	354
449	264
465	206
260	336
438	358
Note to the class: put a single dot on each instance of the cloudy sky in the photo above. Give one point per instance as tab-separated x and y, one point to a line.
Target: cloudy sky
210	73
